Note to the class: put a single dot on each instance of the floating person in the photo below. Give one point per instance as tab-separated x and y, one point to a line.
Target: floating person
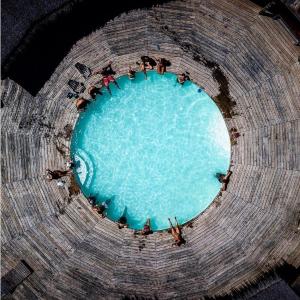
105	71
94	91
131	73
106	81
176	233
81	104
224	179
56	174
122	222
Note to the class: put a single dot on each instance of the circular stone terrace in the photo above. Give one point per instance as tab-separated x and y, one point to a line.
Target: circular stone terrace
248	64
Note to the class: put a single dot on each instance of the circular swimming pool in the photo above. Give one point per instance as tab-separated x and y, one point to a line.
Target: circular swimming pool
153	148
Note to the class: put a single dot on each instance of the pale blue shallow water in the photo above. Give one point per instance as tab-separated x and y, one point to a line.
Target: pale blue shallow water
154	147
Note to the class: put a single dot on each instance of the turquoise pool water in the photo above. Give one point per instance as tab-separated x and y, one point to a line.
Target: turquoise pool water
154	147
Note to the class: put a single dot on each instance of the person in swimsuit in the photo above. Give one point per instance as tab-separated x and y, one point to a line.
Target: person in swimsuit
224	179
122	222
81	104
161	66
94	91
176	233
92	200
102	207
147	228
144	66
56	174
181	78
131	74
105	71
106	81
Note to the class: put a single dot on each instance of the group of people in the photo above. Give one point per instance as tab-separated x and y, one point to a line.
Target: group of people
175	231
107	73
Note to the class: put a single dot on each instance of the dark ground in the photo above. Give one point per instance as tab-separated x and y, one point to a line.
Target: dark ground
37	34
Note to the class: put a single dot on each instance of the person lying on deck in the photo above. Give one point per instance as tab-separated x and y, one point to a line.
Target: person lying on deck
176	233
224	179
56	174
105	71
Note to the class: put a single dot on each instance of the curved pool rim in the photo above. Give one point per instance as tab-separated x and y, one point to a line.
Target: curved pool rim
217	195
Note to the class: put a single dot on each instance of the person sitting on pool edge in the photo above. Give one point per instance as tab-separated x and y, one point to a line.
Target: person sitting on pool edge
81	104
92	200
107	79
122	222
161	66
131	73
146	229
224	179
94	91
101	209
144	66
176	233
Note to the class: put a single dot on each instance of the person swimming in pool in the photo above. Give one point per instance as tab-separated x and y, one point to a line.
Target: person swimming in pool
182	78
176	233
106	81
